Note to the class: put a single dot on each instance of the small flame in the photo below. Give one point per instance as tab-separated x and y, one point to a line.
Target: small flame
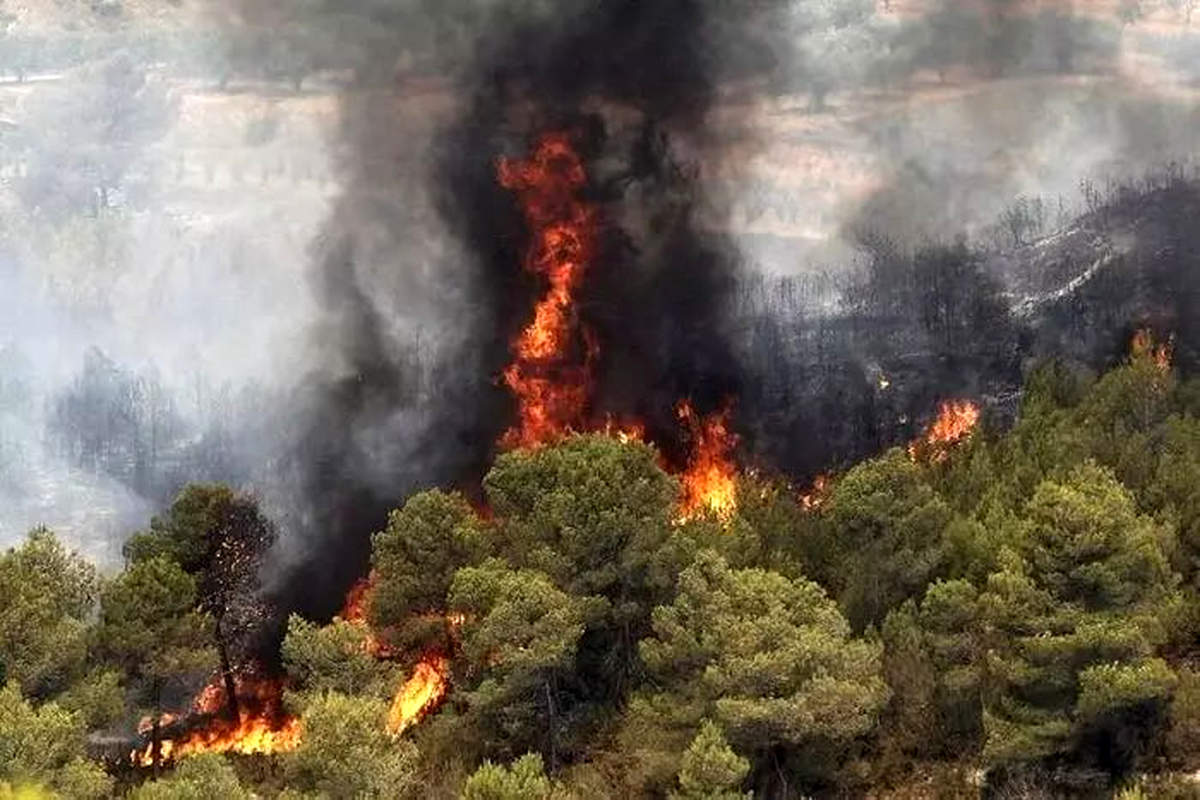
420	694
710	481
812	500
261	726
1144	347
355	611
624	432
955	421
355	608
550	385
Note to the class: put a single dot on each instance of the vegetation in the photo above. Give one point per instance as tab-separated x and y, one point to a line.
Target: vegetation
1023	604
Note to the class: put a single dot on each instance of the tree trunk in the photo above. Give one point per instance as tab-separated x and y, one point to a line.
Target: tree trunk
552	727
227	674
156	730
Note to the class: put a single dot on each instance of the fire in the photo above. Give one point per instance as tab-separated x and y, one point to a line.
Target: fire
710	481
355	608
625	432
427	685
261	726
813	499
551	371
1144	347
420	694
355	611
550	382
955	421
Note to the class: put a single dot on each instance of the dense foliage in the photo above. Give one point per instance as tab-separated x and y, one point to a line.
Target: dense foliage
1019	611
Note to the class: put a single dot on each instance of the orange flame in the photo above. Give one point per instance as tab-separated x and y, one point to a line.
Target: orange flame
355	608
428	684
710	481
420	694
550	385
1144	347
355	611
955	421
261	727
813	499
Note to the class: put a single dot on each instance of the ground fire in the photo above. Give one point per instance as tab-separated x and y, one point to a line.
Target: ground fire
260	727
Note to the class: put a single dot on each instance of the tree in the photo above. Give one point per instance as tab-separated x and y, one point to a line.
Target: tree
346	752
768	527
1174	489
932	665
1182	741
1122	413
820	47
149	627
220	538
46	746
593	514
1070	623
85	140
200	777
110	419
519	641
524	779
48	596
98	697
768	658
336	657
710	770
415	558
890	525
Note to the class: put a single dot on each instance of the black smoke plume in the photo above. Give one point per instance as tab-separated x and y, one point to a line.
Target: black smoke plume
631	82
419	268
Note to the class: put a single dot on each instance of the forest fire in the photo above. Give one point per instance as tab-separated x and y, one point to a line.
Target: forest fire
1144	346
355	611
427	685
551	371
355	608
955	421
420	694
261	726
549	375
815	497
710	481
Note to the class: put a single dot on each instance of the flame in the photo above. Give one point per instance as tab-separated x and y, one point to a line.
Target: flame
428	684
355	608
551	372
355	612
1144	347
420	694
955	421
624	432
550	384
261	726
812	500
710	481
